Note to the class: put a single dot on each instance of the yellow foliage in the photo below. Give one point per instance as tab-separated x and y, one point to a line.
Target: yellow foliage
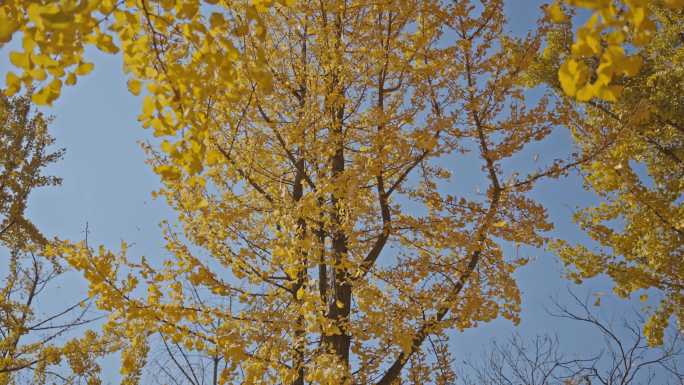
302	142
635	150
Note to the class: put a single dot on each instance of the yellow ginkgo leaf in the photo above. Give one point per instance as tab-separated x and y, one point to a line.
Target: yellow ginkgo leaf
632	65
20	59
13	83
148	106
41	97
168	173
555	12
7	28
587	92
134	86
70	79
572	76
610	93
84	68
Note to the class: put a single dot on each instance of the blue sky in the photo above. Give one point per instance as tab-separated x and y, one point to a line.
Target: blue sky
107	186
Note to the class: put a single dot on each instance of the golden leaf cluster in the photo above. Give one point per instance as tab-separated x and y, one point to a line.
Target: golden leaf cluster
599	55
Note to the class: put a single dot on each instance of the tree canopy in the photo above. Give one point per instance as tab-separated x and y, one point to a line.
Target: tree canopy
347	174
317	244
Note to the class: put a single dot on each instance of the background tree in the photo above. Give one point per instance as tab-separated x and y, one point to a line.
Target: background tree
34	344
624	358
171	363
637	145
317	240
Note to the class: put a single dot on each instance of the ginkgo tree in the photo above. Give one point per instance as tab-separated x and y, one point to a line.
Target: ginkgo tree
637	145
36	344
321	157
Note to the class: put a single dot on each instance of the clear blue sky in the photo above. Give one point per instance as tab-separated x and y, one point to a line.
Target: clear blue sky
107	186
